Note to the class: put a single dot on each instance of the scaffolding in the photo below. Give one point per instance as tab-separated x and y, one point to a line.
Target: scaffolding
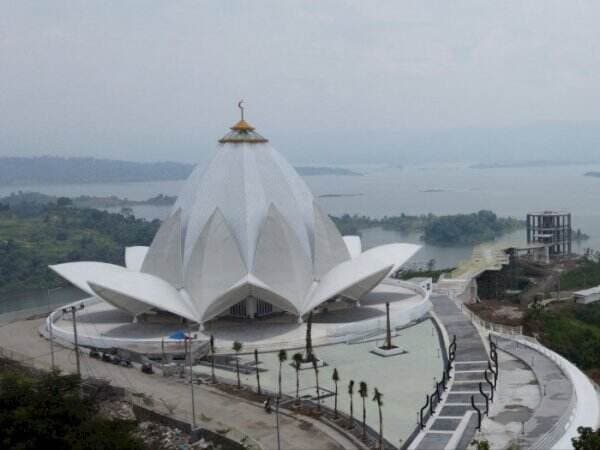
552	229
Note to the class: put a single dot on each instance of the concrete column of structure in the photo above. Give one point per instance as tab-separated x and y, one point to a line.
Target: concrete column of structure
251	307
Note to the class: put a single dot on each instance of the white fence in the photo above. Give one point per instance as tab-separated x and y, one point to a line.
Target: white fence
399	318
151	345
491	326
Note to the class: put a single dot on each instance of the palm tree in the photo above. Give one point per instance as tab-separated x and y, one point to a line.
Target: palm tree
237	348
351	394
363	391
335	377
212	358
282	358
314	363
377	396
309	348
257	371
297	364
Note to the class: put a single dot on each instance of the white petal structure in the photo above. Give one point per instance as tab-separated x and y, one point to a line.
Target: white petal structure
246	234
215	265
354	245
164	257
134	257
132	291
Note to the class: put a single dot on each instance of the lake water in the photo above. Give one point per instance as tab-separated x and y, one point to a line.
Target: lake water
434	188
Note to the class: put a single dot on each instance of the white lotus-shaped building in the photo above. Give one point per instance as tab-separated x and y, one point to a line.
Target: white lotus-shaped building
246	237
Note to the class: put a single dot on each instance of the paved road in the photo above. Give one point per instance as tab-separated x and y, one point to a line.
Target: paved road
557	394
454	426
214	409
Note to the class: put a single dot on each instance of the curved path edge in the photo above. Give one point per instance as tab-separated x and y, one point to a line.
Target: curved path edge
586	409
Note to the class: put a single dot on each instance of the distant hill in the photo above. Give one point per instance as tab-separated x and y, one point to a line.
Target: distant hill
56	170
310	171
19	171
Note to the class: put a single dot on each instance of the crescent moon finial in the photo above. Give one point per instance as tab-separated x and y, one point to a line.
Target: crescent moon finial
240	105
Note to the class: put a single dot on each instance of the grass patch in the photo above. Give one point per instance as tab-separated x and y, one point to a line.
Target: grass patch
586	275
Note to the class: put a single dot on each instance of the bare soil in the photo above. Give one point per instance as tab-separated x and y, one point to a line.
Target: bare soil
499	312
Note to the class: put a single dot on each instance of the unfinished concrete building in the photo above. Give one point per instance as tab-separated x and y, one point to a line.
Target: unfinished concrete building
552	229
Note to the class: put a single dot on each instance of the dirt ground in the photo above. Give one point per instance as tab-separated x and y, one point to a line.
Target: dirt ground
501	312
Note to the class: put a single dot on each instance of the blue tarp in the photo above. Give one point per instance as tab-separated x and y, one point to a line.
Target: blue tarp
178	335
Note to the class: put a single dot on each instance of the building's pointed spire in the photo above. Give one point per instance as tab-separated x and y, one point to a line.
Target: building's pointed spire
242	131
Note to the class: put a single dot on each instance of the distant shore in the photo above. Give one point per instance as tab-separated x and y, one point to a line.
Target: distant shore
52	170
526	164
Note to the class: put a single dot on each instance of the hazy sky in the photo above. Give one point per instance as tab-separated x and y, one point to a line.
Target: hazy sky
327	81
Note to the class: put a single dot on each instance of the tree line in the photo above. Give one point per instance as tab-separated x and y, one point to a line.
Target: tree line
456	229
33	236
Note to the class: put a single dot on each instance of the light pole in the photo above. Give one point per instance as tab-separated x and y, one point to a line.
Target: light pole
189	338
50	332
277	422
73	310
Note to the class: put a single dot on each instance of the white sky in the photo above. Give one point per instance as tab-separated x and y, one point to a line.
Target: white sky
160	79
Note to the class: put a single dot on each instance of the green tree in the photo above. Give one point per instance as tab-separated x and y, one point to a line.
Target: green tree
297	364
63	202
237	348
336	378
48	411
377	397
588	439
363	391
282	356
481	444
431	265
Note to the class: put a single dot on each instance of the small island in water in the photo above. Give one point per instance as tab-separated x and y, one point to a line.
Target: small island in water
447	230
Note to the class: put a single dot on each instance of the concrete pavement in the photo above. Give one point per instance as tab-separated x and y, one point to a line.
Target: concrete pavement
214	409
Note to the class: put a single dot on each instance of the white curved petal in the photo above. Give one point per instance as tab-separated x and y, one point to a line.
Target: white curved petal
397	253
78	273
354	245
136	286
280	261
357	276
129	289
247	286
134	257
118	300
365	285
164	257
329	247
215	263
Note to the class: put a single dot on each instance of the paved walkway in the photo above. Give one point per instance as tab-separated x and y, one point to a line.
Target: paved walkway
214	410
556	396
454	425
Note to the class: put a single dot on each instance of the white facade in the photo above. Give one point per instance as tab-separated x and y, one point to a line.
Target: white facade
587	295
247	226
